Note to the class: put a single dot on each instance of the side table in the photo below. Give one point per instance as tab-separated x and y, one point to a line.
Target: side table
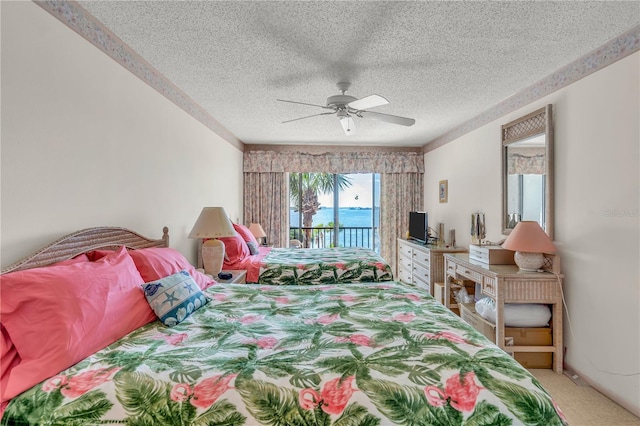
508	284
238	276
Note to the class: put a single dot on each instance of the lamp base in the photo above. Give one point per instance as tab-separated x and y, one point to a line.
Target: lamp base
529	261
212	256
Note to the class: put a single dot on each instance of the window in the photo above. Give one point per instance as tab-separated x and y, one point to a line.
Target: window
335	210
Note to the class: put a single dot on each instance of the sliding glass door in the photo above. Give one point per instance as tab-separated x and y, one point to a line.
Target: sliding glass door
335	210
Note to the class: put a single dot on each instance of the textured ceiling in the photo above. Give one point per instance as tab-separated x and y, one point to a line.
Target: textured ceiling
442	63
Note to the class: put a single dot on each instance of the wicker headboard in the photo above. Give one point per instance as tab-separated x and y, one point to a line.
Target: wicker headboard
86	240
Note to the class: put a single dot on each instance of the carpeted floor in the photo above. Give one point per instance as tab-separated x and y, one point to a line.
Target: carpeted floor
583	405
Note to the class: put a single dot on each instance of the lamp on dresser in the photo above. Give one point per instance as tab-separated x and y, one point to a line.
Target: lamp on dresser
258	232
212	223
529	241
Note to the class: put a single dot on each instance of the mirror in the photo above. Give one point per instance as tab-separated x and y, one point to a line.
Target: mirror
527	171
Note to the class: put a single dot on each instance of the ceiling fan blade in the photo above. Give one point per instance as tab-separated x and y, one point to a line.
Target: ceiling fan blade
367	102
403	121
348	125
308	116
303	103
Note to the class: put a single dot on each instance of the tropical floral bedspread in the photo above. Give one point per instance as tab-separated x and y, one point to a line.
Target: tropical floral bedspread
374	354
286	266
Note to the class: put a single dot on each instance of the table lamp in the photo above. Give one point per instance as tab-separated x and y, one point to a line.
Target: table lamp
529	241
212	223
258	232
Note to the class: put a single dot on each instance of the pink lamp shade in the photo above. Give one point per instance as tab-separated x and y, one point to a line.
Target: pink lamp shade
257	230
529	241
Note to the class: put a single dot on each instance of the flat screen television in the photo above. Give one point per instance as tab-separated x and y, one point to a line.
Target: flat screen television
419	226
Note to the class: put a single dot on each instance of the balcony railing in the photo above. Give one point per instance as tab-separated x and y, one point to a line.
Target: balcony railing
347	236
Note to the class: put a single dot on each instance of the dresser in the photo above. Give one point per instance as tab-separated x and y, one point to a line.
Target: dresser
422	265
508	284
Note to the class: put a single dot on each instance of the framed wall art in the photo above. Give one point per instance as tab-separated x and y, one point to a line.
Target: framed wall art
443	191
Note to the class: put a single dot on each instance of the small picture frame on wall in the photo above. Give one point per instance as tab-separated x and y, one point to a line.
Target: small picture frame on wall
443	191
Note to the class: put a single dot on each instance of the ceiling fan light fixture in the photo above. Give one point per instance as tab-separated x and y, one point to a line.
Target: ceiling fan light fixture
348	125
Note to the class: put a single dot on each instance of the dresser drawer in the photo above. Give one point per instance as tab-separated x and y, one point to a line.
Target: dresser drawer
404	275
405	250
491	255
404	256
422	284
422	257
421	273
470	316
468	273
404	262
450	268
489	287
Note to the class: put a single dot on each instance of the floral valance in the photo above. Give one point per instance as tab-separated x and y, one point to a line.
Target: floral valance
526	161
334	162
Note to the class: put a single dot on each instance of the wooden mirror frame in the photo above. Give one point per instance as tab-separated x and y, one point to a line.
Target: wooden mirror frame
533	124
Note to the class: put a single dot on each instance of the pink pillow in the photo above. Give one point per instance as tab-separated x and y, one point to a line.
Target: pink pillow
7	349
94	255
245	233
59	315
79	258
8	355
156	263
235	249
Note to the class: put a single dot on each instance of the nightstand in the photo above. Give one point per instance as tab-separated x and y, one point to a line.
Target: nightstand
238	277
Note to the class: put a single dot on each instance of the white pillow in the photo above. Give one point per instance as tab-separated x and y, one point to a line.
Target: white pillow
515	314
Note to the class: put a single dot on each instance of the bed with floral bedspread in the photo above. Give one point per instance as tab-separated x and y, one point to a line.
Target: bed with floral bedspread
362	354
290	266
323	266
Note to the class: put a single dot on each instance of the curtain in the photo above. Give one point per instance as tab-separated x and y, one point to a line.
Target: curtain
266	201
400	193
526	160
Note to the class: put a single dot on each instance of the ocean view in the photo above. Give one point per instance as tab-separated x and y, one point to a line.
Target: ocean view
348	216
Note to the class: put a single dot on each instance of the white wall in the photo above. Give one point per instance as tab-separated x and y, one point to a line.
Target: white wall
86	143
597	223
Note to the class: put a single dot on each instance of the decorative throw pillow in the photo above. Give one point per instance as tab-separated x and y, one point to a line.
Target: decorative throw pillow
174	298
253	247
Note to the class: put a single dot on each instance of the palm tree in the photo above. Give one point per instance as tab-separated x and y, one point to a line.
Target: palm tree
304	189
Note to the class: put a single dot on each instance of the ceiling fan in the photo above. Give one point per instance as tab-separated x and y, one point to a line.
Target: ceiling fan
345	107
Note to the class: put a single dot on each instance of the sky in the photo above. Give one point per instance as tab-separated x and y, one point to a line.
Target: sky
360	188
